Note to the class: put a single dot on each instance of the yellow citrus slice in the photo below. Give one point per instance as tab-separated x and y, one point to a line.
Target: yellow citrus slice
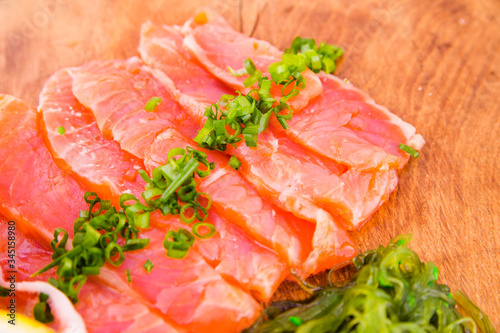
23	324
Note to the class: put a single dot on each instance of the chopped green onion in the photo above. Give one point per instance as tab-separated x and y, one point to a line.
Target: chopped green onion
316	58
237	73
250	135
177	243
91	270
249	66
135	244
249	115
4	292
73	287
112	250
234	163
435	273
186	208
295	320
129	277
148	266
152	104
252	79
409	150
61	130
41	311
186	172
210	232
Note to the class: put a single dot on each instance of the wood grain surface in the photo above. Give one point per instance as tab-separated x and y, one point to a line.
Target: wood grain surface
436	64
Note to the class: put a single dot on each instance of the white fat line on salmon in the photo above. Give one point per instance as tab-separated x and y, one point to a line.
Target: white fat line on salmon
214	176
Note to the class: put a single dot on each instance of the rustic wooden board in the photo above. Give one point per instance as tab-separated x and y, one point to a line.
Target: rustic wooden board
434	63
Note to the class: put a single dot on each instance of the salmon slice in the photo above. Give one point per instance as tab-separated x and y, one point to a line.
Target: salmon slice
368	141
34	192
267	263
235	199
82	147
216	45
324	246
52	203
127	90
57	91
188	291
293	178
303	182
102	308
346	125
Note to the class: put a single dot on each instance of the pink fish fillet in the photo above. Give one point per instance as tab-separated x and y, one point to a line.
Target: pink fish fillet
40	197
84	145
104	310
82	148
90	80
216	45
359	134
346	125
293	178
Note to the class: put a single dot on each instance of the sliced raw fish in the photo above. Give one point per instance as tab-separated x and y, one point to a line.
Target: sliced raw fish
82	147
368	139
217	45
346	125
124	89
40	197
103	309
293	178
86	87
34	192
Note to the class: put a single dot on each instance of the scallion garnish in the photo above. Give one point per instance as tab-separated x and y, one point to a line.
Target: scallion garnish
129	277
233	116
148	265
61	130
4	292
177	243
41	311
152	104
171	189
96	233
409	150
323	57
234	162
295	320
210	233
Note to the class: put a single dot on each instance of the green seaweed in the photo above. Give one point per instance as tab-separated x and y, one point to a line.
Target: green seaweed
392	291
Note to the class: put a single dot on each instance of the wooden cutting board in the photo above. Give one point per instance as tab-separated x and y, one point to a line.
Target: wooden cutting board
436	64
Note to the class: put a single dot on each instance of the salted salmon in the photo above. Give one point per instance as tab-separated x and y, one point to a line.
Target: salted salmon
54	202
216	45
292	177
161	47
360	134
82	146
346	125
230	244
33	190
293	232
102	308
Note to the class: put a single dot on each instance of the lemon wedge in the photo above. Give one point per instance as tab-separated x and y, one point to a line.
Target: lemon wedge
23	324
